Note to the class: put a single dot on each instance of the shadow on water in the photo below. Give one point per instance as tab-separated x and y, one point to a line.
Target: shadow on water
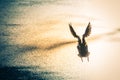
9	51
114	32
109	35
25	73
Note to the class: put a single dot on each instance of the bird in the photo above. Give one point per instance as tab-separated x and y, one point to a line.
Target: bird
82	44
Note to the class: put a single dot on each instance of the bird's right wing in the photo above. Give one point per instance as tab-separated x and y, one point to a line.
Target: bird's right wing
72	31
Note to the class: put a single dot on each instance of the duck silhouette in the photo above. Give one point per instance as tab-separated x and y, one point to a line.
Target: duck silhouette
82	45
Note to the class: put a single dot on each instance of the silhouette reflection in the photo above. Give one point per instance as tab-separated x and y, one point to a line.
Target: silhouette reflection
82	45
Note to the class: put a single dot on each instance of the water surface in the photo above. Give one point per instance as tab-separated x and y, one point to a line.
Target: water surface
36	44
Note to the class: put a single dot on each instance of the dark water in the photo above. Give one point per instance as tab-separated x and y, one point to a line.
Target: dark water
26	73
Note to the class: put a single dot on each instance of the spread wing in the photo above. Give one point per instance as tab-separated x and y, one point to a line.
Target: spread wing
72	31
88	30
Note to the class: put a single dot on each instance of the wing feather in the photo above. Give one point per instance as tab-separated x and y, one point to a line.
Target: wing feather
72	31
88	30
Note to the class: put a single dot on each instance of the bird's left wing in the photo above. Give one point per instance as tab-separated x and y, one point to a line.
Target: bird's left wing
88	30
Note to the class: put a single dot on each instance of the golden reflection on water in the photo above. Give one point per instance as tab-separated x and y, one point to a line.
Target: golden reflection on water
57	48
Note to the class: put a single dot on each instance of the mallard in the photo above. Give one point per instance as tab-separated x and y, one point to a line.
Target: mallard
82	45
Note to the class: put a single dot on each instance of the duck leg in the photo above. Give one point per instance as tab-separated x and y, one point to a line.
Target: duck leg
88	59
81	59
